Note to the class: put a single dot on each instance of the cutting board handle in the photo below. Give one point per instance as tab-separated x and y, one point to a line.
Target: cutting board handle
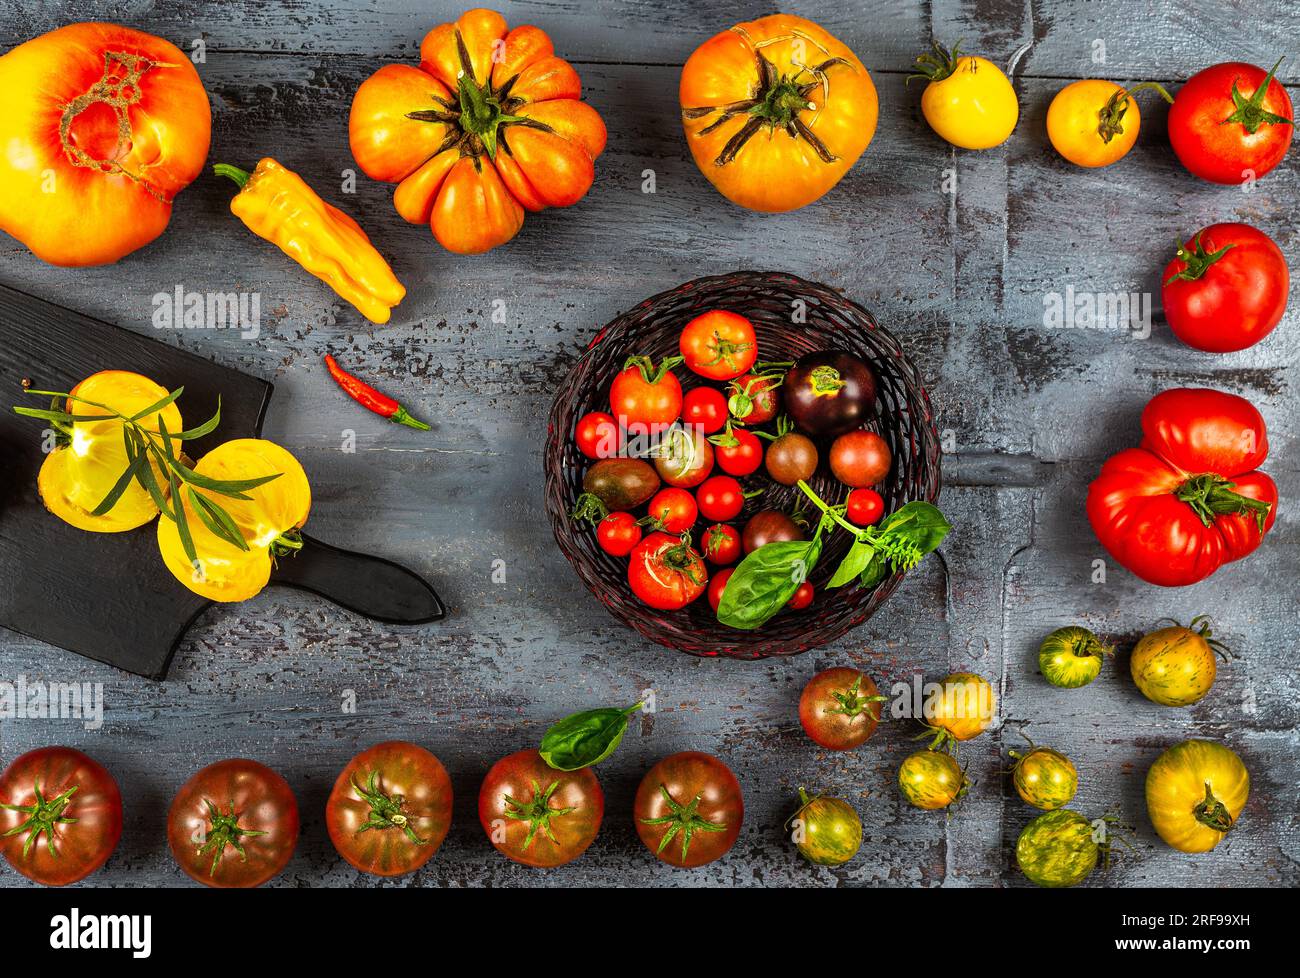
370	586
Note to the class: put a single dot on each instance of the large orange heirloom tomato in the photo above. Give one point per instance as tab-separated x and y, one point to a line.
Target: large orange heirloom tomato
103	125
776	110
268	519
489	126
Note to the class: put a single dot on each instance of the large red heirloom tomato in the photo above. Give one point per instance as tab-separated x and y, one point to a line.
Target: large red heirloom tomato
489	126
102	127
1188	500
776	110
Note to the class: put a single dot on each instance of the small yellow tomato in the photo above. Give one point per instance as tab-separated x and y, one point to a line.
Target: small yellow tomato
77	476
931	780
961	707
969	101
1094	123
1195	793
1045	778
268	521
1176	666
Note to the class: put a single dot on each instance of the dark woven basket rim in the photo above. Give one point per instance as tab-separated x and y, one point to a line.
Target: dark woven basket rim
585	388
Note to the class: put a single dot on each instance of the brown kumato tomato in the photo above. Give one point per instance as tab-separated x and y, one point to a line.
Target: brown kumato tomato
860	459
791	457
688	809
537	815
769	526
840	707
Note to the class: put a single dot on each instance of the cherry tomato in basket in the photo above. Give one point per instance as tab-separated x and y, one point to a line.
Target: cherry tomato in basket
666	572
683	457
802	597
721	544
618	533
769	526
646	398
597	435
721	498
718	584
860	459
753	398
864	507
673	510
738	452
705	408
791	457
719	345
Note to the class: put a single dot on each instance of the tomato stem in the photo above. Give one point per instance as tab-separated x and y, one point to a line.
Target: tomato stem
682	819
936	64
1112	113
224	830
537	812
1195	260
1213	813
1250	112
42	817
1212	496
386	811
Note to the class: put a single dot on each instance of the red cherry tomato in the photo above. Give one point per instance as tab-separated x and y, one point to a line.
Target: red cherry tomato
721	498
597	435
1227	288
864	507
721	544
753	399
860	459
1231	123
705	408
645	398
719	345
618	533
738	452
674	510
717	585
801	598
683	457
666	573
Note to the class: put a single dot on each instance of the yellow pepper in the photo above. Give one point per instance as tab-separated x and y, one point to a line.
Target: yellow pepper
276	204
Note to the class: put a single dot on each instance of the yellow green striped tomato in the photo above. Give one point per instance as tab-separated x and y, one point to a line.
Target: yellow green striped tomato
931	780
827	830
1045	778
1058	849
1072	656
1175	666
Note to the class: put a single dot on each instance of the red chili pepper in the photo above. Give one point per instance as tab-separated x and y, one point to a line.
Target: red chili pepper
371	399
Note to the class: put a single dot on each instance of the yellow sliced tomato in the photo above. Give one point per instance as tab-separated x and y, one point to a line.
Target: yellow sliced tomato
267	520
76	477
1195	793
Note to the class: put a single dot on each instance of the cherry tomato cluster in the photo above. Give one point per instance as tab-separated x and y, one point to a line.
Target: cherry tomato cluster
682	454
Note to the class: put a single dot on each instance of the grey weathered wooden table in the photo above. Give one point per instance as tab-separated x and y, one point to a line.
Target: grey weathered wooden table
1030	412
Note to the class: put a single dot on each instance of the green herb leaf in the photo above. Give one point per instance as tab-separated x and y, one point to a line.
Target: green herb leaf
585	738
217	519
875	572
854	563
204	429
234	488
146	476
766	579
921	523
125	479
158	405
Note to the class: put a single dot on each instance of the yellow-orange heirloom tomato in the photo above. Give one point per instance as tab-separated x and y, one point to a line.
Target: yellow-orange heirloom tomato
962	707
102	126
268	521
76	477
1093	123
776	110
1195	793
488	127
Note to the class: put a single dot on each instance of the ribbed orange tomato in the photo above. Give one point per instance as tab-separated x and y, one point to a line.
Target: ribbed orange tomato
776	110
103	125
489	126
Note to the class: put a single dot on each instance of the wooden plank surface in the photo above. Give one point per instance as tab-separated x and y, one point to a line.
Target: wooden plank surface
960	278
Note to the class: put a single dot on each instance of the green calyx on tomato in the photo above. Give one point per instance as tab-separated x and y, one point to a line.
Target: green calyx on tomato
682	558
586	738
765	378
1250	111
825	381
537	812
1112	113
937	64
1196	260
1211	496
42	816
386	811
682	820
649	372
589	508
224	830
851	702
1213	813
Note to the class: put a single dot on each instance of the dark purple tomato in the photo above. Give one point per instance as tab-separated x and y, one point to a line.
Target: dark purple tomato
829	393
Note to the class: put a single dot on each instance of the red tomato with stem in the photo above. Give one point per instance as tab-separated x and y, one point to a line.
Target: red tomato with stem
719	345
840	707
597	435
618	533
1189	499
666	572
1231	123
688	809
737	451
721	544
1226	289
537	815
753	398
683	457
644	397
721	498
60	815
718	584
673	511
864	507
390	809
705	409
234	824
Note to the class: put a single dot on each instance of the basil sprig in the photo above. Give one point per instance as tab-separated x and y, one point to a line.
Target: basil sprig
768	577
586	738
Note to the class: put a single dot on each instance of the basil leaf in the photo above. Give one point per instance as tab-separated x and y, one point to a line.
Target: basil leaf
585	738
766	579
874	572
853	564
920	523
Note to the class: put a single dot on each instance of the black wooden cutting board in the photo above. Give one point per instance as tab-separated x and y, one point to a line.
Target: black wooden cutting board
108	595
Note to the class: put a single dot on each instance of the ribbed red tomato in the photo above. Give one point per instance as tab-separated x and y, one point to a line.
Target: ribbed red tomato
666	572
1189	499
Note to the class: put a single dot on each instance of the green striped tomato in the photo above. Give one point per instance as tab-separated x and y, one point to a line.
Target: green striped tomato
1058	849
1045	778
931	780
828	832
1071	657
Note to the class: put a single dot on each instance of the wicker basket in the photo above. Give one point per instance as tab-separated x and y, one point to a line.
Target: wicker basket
770	301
